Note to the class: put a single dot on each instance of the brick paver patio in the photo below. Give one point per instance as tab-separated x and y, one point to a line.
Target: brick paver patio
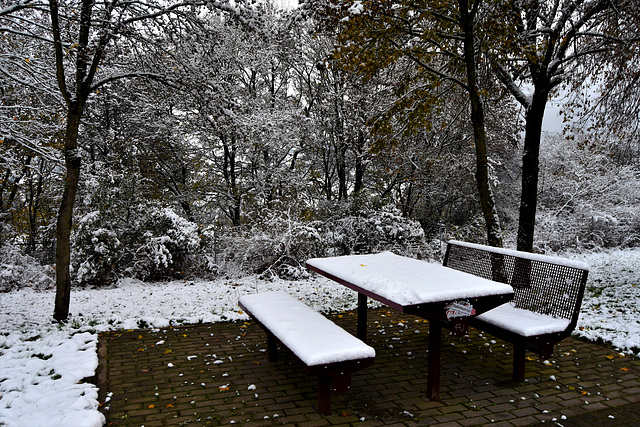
218	374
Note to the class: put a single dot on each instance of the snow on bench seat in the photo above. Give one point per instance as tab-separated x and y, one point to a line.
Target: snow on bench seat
523	322
313	338
322	347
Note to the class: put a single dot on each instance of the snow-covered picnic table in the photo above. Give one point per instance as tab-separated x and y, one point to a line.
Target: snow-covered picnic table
439	294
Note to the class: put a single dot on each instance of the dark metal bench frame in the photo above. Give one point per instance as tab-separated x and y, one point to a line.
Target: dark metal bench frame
540	286
334	376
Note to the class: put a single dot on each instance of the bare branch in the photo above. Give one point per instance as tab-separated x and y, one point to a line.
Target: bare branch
136	74
57	40
429	68
16	7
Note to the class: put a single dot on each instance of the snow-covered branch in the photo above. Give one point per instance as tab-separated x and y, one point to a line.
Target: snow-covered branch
22	4
134	74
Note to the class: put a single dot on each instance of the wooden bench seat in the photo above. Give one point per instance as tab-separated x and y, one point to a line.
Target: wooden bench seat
548	293
323	348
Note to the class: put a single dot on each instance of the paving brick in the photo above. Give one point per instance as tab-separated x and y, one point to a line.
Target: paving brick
476	386
524	421
474	421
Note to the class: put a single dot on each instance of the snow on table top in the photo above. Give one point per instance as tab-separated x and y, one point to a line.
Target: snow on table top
527	255
312	337
523	322
407	281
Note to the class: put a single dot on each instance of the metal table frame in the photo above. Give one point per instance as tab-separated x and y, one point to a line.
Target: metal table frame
434	312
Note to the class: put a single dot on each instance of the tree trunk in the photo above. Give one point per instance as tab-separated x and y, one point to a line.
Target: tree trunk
34	206
530	169
360	166
492	222
341	170
186	208
231	179
359	176
64	223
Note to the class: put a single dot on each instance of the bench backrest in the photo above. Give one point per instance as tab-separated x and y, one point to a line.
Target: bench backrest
542	284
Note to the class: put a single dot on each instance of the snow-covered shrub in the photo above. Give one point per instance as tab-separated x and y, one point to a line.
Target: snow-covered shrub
18	270
370	231
474	231
166	245
586	201
277	245
97	249
154	243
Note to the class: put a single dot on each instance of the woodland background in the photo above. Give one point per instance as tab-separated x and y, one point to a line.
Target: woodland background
230	138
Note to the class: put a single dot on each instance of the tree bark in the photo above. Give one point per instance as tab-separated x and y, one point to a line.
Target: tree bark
360	166
530	168
341	170
492	222
34	206
64	221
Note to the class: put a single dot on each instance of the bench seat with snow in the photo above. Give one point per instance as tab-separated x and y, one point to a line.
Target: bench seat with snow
323	348
548	293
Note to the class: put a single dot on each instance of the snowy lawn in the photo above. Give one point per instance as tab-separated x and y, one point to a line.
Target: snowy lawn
42	363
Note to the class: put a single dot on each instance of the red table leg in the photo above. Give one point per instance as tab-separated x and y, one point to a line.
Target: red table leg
362	317
433	366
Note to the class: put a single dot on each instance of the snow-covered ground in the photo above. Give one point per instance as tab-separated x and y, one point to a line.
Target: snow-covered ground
42	363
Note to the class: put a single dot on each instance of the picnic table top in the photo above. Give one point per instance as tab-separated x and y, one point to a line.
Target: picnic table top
406	281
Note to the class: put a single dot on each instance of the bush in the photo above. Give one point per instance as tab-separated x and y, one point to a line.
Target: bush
278	245
155	244
374	231
18	270
587	201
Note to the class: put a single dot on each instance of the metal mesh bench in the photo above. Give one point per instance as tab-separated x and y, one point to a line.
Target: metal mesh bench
323	348
548	293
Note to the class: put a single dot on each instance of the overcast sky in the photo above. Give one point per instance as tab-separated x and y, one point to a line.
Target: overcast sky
552	119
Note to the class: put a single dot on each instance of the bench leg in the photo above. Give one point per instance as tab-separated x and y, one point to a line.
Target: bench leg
519	351
362	317
324	394
546	351
272	347
433	362
341	383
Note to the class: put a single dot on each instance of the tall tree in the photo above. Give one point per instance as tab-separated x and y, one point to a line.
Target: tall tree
236	104
538	46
